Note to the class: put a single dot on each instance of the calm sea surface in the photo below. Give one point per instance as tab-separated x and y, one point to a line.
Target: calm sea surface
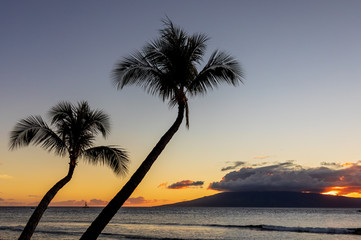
189	223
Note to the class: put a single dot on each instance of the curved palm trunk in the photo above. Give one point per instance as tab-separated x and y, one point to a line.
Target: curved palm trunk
115	204
43	205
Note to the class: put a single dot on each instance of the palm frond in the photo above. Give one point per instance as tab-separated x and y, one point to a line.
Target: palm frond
135	70
93	121
84	141
63	111
145	72
34	130
196	47
115	158
220	68
100	122
173	35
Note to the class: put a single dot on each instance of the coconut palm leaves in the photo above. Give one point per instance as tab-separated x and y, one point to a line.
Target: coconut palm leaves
167	67
72	132
34	130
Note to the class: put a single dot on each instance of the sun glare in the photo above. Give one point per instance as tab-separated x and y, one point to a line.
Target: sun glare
335	191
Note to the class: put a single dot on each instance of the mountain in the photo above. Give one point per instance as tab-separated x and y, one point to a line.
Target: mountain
271	199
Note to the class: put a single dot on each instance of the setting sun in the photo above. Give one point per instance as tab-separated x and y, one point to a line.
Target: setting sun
335	193
348	191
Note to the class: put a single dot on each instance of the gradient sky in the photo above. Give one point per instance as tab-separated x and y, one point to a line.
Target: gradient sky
300	101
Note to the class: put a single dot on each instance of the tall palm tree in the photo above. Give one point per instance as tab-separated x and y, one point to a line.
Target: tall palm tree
167	67
75	129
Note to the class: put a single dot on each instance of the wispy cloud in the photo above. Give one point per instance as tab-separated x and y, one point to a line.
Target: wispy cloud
67	203
186	184
233	166
289	176
97	202
261	157
332	164
141	201
92	202
162	185
74	203
136	201
5	176
33	196
10	202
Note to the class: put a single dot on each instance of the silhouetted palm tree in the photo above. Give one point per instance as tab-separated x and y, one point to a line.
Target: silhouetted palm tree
167	67
75	128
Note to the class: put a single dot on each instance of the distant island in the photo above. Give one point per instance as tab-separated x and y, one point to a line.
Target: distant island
271	199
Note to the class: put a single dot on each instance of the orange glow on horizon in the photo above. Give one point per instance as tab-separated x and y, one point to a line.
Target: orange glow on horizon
347	191
335	191
347	164
353	195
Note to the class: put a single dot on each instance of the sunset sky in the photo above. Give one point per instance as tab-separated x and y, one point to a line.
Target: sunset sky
295	123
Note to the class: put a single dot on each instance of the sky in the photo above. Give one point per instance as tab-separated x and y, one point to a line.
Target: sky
293	125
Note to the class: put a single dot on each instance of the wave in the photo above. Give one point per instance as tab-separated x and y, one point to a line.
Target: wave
325	230
356	231
78	234
20	229
319	230
12	228
261	227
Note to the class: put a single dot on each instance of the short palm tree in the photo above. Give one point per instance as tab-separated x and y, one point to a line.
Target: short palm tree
167	67
75	129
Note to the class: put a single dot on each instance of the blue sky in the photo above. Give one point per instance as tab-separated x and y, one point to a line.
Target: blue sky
300	100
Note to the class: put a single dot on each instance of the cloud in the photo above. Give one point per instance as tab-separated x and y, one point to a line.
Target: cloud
261	157
141	201
288	176
331	165
234	166
74	203
162	185
5	176
10	202
136	201
97	202
33	196
186	184
261	164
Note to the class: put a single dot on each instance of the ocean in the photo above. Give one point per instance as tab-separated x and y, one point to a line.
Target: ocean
188	223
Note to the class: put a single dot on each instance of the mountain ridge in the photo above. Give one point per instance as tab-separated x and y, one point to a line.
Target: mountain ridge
271	199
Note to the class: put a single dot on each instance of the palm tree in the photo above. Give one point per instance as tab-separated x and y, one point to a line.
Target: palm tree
74	134
167	67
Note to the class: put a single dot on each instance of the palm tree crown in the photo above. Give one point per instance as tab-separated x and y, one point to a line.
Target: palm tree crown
167	67
75	129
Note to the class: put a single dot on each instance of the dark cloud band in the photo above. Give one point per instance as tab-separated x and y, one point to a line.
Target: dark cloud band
288	176
186	184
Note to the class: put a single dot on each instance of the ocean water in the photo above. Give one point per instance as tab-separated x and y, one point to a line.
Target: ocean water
189	223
